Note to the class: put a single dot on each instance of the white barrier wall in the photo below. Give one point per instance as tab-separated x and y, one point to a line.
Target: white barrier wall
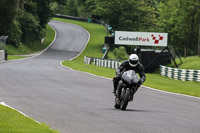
180	74
2	55
101	62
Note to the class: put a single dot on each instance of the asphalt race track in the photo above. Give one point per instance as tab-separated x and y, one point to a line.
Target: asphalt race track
76	102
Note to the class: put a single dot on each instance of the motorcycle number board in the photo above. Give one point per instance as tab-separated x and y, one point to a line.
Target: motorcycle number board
141	38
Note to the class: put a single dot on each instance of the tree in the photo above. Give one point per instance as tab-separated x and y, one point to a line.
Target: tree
24	20
19	4
180	18
8	25
29	25
120	53
128	15
7	14
72	8
44	11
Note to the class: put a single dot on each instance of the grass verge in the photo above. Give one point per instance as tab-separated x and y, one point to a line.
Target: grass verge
12	121
14	57
191	62
93	49
31	48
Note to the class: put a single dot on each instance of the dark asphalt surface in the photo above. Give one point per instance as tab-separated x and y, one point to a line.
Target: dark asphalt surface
76	102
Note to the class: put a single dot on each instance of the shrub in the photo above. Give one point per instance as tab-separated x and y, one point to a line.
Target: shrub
14	34
120	53
29	25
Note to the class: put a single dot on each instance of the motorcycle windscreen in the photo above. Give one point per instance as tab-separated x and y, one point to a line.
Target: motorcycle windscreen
130	77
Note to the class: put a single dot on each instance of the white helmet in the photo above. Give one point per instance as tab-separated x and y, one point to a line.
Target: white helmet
133	60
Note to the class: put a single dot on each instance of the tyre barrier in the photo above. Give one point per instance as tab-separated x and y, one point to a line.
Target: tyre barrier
180	74
102	63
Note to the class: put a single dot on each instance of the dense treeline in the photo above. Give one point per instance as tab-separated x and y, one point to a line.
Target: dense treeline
24	20
179	18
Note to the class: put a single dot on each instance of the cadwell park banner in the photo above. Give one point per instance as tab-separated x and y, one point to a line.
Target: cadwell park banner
141	38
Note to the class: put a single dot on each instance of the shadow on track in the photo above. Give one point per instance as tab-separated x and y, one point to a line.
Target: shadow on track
131	110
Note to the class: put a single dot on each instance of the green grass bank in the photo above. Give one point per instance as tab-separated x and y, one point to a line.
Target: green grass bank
12	121
93	49
191	62
31	48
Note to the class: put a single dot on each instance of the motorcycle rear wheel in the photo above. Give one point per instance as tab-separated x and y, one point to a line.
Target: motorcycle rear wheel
117	106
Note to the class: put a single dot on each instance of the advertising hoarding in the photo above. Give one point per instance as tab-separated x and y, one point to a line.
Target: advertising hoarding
141	38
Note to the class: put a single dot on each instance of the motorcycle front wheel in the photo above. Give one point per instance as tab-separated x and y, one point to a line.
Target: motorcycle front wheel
125	95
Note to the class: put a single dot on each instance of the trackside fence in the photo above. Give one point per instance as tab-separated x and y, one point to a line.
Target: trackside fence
180	74
102	63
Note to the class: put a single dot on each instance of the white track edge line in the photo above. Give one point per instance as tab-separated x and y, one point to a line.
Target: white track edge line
85	44
40	52
173	93
4	104
146	87
84	72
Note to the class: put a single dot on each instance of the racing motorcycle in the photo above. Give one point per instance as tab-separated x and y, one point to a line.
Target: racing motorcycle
126	89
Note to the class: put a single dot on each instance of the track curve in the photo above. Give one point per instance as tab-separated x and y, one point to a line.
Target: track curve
74	102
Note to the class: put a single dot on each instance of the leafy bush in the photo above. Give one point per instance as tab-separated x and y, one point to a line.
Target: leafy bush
120	53
14	34
29	25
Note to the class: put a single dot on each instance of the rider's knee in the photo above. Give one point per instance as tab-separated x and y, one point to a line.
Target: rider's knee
116	78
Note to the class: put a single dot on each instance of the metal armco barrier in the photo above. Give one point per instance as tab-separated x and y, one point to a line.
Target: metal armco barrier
102	63
180	74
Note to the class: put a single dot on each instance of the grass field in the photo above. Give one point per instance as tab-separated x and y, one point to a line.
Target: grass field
191	62
93	49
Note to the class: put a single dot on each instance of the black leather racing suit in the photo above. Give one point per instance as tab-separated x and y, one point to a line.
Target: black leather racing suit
125	67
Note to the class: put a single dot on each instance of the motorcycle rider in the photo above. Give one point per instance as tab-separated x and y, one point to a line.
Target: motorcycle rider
131	64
